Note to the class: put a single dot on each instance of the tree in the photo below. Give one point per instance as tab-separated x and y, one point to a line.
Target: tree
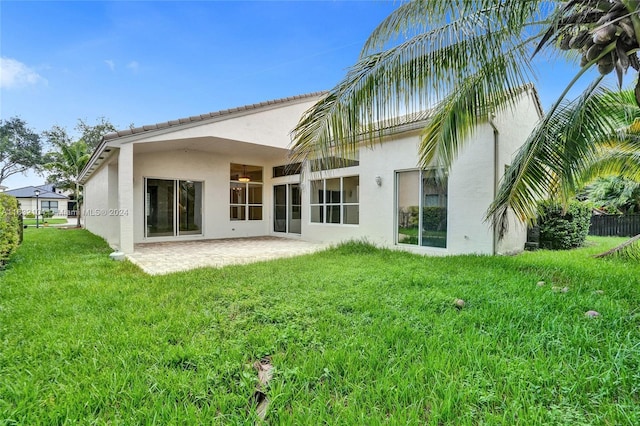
467	59
69	157
615	194
92	135
66	163
20	148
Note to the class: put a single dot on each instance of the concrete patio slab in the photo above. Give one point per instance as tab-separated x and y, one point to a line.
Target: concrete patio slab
167	257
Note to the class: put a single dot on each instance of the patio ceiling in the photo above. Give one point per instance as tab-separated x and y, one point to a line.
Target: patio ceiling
212	145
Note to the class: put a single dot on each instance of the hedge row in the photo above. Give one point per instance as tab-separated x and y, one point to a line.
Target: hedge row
10	227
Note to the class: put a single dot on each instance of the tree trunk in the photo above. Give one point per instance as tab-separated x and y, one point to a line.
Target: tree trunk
78	206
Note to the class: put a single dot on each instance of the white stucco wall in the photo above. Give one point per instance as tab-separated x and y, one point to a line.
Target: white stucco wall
471	184
28	205
514	126
266	126
98	207
470	193
213	170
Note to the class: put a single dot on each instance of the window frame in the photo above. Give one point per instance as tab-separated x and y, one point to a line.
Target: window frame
293	169
55	209
247	208
327	204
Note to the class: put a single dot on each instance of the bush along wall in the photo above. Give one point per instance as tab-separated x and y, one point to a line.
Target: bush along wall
562	229
9	227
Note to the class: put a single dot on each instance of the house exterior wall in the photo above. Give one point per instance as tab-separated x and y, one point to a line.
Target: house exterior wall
213	171
471	181
98	205
468	196
514	128
472	186
28	205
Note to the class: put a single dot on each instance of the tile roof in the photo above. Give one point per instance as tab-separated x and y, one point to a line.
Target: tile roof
29	192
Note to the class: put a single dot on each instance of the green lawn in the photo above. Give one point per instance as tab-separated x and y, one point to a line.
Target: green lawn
357	336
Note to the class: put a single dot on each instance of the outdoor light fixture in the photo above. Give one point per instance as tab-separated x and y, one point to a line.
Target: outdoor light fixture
37	192
244	177
378	181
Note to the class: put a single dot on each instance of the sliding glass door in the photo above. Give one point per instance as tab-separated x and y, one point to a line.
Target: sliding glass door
190	208
287	205
421	202
172	207
160	208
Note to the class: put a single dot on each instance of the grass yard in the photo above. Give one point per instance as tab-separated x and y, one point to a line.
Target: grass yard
357	335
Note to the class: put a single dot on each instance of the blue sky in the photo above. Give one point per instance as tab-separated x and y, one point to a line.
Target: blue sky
145	62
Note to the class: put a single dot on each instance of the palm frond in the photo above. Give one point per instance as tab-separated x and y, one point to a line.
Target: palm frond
619	153
383	88
415	17
630	249
613	162
455	119
551	161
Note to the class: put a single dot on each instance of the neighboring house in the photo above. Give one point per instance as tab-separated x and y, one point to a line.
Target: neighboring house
225	175
50	199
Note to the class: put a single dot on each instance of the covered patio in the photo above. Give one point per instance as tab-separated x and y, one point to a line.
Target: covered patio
166	257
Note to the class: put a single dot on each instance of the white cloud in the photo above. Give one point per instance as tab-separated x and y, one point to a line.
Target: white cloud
133	66
15	74
110	64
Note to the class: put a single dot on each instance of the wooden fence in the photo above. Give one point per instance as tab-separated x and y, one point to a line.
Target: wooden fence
615	225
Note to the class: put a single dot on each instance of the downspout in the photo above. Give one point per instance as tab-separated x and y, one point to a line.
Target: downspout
496	174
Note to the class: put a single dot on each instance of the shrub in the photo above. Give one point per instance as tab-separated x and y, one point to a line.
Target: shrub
30	215
562	229
47	214
9	227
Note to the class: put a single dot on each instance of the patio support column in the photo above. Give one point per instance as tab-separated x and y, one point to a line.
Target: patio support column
125	197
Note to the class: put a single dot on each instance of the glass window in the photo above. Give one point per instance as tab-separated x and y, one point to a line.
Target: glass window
287	170
350	188
49	206
351	215
421	199
317	191
332	191
331	163
245	192
245	173
408	202
434	210
335	200
238	193
255	193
